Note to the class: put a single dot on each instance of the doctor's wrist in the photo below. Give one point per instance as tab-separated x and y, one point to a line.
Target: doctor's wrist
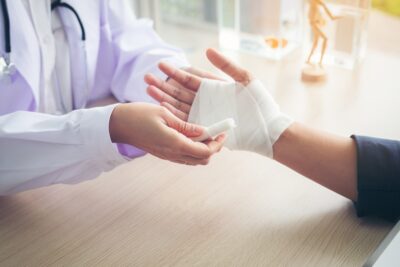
115	125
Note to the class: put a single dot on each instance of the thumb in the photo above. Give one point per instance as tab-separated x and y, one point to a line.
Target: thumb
237	73
183	127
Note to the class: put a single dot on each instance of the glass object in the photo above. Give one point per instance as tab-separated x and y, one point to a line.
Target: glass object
188	12
269	28
347	35
191	13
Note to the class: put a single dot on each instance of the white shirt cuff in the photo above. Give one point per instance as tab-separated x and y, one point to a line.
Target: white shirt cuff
96	136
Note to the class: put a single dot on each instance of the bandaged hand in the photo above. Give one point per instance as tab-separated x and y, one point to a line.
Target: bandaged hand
206	101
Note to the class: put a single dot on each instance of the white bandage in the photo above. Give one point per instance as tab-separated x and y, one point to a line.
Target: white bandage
258	118
215	130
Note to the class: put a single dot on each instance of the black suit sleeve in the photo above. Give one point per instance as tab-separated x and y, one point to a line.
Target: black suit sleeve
378	176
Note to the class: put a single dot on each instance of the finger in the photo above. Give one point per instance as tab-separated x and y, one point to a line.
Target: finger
221	139
221	62
194	149
179	159
176	92
155	93
184	78
160	96
216	144
203	74
170	154
183	127
182	162
182	143
188	160
184	146
180	114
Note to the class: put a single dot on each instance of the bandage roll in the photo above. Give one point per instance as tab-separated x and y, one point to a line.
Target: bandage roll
221	127
216	129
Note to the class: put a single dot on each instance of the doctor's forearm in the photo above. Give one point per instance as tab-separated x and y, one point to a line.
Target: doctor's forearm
325	158
39	149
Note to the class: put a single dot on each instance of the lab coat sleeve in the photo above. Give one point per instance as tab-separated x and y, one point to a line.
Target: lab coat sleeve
137	49
38	149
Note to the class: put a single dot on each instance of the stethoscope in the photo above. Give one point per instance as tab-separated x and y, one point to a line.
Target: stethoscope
7	68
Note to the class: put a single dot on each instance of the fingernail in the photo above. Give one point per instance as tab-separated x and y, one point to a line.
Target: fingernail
222	137
163	63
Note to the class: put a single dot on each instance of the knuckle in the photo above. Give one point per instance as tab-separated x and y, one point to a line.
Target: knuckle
187	80
183	127
176	92
175	112
164	84
174	73
225	66
162	97
190	127
178	104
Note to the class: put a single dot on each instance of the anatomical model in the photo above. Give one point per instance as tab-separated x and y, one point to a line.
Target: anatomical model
314	72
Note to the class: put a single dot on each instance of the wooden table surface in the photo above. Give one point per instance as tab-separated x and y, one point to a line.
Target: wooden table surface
241	209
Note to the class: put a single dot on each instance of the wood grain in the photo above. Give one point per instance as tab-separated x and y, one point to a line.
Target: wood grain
241	210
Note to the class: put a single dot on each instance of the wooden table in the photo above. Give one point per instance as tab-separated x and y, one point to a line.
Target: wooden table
241	209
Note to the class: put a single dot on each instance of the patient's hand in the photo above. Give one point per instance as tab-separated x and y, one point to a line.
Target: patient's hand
178	93
206	101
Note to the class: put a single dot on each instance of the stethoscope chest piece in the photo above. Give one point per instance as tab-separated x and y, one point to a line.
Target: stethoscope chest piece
7	69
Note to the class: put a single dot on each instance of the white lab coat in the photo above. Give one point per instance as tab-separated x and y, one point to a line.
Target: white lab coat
38	149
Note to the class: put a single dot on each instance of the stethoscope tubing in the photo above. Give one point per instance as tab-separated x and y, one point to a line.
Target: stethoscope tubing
6	21
58	3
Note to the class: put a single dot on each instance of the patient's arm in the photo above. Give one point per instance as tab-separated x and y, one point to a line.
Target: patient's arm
325	158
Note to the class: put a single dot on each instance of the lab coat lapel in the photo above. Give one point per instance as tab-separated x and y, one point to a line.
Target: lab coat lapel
25	52
89	12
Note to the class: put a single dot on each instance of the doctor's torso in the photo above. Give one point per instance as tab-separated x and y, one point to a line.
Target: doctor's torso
55	69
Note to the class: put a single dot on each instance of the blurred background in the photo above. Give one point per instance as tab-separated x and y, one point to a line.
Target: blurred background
200	13
268	28
370	30
389	6
203	13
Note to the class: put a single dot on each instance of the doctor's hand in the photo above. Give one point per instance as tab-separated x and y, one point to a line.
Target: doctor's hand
178	95
156	130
